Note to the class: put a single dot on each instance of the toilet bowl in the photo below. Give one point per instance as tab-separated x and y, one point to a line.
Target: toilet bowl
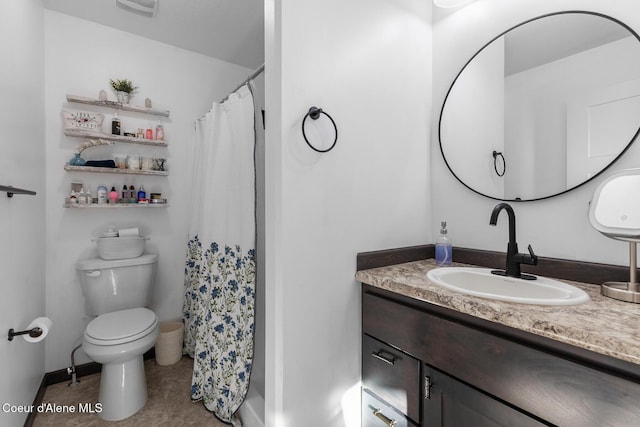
118	341
117	292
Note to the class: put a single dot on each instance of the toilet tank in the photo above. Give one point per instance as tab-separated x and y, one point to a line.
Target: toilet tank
117	284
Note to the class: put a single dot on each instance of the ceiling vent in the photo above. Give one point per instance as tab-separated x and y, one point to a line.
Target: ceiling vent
147	8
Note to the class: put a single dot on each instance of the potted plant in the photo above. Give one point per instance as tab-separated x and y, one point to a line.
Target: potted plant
123	89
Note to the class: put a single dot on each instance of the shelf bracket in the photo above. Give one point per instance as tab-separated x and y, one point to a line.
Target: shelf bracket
13	190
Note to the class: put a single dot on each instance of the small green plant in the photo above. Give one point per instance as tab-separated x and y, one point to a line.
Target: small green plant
122	85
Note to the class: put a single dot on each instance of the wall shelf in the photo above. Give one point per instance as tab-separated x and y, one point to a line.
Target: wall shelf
113	104
117	138
71	168
83	133
116	206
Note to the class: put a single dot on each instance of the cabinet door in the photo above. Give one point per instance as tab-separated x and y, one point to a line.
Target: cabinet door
450	403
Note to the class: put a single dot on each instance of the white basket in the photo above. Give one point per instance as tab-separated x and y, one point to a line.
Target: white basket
127	247
169	344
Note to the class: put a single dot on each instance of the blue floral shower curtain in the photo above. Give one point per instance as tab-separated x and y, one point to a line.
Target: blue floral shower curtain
220	269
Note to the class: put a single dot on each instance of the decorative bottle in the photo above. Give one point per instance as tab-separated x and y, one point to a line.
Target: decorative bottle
115	125
444	250
76	160
113	195
102	195
159	132
82	197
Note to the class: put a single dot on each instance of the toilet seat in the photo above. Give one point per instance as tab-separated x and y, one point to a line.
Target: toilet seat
120	327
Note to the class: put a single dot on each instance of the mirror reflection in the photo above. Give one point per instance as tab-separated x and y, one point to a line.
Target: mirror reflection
544	107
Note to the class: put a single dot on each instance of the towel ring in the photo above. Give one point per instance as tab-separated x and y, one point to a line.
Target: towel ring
314	113
497	154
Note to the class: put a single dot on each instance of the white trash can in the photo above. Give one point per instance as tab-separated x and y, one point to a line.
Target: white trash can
169	344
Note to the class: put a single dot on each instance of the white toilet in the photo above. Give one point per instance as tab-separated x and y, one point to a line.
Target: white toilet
117	291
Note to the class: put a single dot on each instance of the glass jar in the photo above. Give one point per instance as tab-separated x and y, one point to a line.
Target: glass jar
133	162
159	133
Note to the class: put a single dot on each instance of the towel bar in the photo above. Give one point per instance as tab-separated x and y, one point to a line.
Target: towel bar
12	190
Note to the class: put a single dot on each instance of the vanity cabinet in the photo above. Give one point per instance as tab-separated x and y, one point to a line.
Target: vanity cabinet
474	372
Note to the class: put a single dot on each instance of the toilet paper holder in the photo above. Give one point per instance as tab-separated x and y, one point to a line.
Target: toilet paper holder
33	333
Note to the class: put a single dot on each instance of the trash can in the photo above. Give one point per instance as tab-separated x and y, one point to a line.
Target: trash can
169	344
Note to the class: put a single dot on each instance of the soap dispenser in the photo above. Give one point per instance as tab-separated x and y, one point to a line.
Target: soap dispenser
444	250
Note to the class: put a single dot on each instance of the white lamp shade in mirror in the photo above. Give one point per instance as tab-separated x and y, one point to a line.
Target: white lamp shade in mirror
615	208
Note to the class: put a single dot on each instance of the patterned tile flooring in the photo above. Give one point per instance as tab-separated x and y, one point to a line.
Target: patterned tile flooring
169	402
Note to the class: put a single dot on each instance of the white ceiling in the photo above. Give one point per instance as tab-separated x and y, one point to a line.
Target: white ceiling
230	30
558	36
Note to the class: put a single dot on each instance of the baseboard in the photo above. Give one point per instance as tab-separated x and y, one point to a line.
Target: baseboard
62	375
252	410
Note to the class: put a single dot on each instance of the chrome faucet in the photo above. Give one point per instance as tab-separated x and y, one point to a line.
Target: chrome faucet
514	259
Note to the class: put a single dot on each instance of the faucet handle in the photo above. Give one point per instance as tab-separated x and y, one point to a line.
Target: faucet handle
534	257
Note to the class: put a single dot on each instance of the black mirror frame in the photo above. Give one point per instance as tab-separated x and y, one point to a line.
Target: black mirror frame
444	103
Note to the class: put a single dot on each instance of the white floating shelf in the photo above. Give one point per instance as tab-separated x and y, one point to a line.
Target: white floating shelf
117	138
113	104
94	169
116	206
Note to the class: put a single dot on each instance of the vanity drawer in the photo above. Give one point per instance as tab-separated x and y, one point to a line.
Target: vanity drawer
392	375
377	413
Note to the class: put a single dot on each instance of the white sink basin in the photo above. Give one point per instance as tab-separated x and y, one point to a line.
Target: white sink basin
481	283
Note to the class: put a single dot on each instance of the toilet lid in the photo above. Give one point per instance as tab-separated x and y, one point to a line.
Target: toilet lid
120	325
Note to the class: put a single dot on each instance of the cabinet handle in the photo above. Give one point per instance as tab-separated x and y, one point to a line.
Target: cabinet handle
427	387
388	421
391	360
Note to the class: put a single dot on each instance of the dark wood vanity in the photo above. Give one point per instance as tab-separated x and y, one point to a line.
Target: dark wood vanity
426	364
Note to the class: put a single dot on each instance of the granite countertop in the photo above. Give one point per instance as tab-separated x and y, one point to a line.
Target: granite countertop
603	325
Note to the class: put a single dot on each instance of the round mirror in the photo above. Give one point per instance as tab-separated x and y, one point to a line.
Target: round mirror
544	107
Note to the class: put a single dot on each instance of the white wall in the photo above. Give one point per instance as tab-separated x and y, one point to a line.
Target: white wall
80	57
368	64
556	227
477	100
22	163
537	106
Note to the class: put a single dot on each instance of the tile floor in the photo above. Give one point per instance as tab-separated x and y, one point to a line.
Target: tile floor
169	402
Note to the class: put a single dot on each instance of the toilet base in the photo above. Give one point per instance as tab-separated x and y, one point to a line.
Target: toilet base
123	389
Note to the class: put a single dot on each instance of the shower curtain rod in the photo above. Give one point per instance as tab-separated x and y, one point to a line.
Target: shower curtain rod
253	75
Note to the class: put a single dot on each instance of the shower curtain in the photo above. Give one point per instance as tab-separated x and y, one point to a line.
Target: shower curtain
220	269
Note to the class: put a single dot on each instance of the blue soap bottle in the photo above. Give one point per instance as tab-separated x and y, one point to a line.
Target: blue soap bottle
444	250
